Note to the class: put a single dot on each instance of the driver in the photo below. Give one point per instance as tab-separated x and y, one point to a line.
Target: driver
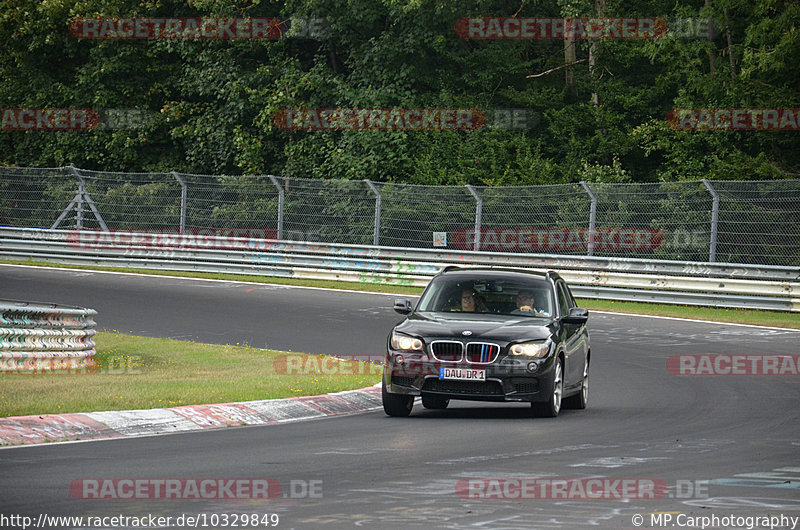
526	305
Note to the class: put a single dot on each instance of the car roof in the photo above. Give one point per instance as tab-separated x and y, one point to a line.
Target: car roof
498	272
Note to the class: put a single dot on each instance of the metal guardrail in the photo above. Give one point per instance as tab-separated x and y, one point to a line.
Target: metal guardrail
36	337
670	282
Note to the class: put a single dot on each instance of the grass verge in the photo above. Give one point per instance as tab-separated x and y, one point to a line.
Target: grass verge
141	373
738	316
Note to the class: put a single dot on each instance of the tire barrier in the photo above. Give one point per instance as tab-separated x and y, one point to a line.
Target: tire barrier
36	337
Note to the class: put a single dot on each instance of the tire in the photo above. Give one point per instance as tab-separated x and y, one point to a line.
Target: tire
581	399
434	402
551	407
398	405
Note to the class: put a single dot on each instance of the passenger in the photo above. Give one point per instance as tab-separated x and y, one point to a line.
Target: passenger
471	302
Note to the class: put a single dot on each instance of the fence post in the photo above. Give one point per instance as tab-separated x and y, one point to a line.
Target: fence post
712	251
592	218
81	193
478	215
183	200
275	183
376	237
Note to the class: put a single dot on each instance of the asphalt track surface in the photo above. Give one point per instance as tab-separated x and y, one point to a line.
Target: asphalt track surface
740	433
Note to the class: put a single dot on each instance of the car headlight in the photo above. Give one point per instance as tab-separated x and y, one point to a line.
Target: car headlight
531	349
405	343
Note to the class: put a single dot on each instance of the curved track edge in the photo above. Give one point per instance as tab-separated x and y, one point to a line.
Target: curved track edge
16	431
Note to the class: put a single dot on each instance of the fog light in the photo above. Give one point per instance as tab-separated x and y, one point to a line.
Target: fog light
533	366
398	359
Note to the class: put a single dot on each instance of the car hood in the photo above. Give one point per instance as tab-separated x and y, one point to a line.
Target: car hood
490	327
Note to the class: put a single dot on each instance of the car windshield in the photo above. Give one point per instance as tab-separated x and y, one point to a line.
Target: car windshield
524	297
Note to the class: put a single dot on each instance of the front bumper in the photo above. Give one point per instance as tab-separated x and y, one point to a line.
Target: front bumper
507	379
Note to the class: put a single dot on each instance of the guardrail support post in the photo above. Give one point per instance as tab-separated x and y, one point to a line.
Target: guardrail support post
478	215
376	237
183	200
592	218
275	183
712	251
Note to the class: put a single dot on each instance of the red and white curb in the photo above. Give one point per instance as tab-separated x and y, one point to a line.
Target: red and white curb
21	430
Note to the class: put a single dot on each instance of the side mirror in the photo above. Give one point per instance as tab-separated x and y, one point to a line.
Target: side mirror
576	315
403	306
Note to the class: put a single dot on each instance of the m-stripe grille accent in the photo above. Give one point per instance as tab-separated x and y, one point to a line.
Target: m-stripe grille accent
482	352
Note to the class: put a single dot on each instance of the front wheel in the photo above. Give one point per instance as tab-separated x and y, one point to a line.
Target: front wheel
551	407
399	405
434	402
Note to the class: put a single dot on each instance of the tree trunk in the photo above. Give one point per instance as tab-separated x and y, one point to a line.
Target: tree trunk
600	6
593	73
712	54
332	56
569	58
730	45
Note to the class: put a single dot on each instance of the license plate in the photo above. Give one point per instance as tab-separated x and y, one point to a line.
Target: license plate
462	374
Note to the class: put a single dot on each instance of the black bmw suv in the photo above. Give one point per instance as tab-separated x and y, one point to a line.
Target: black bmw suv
489	334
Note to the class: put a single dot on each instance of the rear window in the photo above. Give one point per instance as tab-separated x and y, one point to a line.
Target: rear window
525	297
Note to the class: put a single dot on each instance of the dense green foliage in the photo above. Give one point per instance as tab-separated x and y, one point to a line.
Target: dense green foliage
211	103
